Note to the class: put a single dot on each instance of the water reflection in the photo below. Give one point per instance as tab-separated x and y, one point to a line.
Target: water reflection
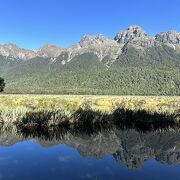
128	146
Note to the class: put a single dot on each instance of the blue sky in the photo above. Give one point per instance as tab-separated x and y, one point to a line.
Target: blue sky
32	23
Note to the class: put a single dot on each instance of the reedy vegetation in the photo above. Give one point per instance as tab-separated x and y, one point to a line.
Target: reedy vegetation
39	110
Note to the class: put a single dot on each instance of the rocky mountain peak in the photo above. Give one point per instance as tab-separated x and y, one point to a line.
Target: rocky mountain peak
13	51
10	46
131	33
171	37
49	46
49	51
100	45
135	27
88	40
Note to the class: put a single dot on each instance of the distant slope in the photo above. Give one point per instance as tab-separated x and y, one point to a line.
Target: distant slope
86	75
133	63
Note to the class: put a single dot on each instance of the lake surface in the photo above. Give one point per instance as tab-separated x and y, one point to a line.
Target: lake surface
104	154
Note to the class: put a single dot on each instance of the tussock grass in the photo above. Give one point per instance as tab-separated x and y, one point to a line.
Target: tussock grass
51	110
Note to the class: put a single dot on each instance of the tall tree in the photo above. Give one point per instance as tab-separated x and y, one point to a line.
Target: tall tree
2	84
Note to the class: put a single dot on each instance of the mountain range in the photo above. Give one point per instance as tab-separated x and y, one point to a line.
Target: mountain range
133	63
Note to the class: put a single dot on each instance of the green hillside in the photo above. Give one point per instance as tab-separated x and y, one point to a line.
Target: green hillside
154	72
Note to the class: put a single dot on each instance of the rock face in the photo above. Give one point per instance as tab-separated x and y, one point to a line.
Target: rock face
15	52
143	42
49	51
131	33
101	46
171	37
135	36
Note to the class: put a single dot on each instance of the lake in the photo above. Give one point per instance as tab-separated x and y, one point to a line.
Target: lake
104	153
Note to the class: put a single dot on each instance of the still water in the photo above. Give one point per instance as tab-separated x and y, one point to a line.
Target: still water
105	154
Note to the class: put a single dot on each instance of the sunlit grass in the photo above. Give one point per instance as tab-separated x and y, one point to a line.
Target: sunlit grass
15	108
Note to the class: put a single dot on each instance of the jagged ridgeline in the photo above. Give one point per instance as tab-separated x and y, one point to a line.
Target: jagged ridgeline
133	63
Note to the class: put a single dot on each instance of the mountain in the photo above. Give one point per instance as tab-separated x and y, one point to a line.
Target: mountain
14	52
133	63
131	33
171	37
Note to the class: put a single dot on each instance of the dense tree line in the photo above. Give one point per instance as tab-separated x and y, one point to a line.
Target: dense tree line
131	74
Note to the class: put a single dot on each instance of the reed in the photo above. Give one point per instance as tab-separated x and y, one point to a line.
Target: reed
51	110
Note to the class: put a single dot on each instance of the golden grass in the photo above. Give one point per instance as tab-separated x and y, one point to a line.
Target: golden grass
14	107
167	104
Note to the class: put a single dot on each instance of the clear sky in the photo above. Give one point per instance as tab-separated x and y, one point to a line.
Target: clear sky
32	23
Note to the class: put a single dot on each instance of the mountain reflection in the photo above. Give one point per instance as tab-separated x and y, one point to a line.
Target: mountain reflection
128	146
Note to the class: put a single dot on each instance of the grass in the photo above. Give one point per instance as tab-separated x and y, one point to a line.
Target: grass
47	110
